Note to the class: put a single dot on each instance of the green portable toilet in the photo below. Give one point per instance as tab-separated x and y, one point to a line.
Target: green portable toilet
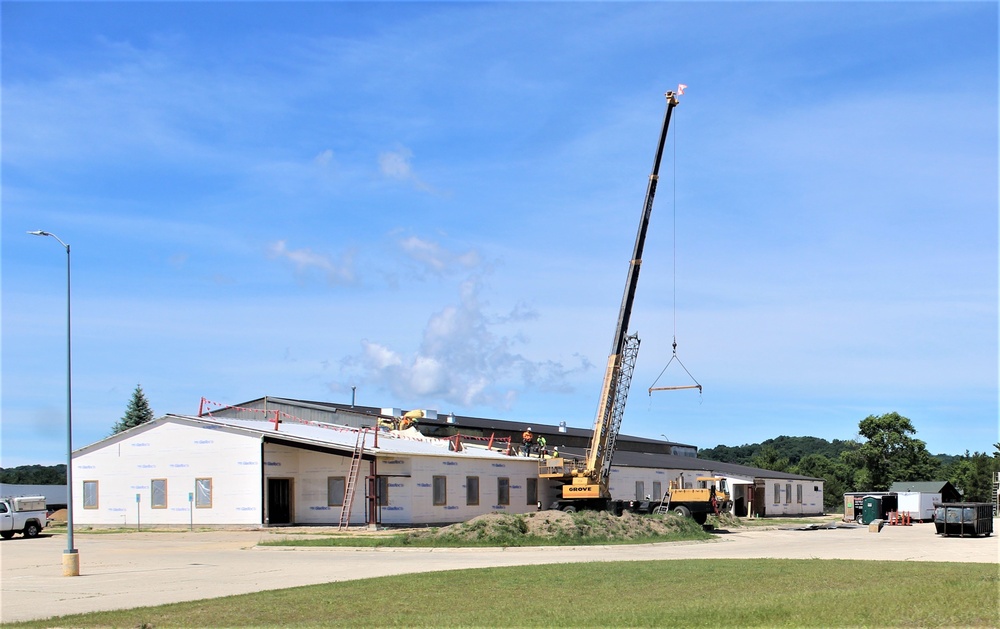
871	509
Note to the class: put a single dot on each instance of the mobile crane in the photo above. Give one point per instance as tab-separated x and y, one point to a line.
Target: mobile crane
585	483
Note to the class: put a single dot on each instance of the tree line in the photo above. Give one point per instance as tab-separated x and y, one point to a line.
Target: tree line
886	452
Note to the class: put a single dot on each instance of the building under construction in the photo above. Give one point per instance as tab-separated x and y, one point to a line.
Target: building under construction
276	462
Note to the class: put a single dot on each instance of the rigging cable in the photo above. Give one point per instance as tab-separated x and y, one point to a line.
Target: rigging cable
696	384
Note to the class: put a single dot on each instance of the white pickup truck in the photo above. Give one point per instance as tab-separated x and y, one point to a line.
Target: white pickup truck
24	514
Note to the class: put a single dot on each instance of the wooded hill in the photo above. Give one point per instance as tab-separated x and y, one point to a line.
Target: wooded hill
34	475
792	449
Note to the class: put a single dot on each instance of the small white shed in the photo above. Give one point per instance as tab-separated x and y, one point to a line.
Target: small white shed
918	505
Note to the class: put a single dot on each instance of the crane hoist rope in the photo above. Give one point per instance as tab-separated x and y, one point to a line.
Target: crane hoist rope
587	481
674	357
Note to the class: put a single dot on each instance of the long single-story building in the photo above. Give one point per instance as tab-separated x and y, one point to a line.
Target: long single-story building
55	495
249	466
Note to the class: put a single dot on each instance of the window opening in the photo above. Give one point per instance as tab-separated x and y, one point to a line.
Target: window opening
472	490
382	490
532	486
203	493
336	489
90	494
503	491
158	493
440	491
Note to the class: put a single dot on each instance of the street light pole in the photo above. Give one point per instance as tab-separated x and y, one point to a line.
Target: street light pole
71	558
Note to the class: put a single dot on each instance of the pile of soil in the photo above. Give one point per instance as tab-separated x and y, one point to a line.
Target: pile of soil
58	516
583	526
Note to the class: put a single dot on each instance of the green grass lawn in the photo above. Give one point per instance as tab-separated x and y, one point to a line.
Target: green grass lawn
681	593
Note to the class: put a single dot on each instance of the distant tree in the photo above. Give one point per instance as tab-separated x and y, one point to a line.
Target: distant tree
973	476
34	475
890	453
836	474
767	458
137	413
792	448
729	454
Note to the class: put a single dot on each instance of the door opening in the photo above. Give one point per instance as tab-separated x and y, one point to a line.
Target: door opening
279	501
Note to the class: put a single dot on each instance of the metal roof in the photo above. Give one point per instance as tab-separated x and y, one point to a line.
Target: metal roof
626	458
925	487
54	494
329	437
481	423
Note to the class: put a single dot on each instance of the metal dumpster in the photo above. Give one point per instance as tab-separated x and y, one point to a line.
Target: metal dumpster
964	519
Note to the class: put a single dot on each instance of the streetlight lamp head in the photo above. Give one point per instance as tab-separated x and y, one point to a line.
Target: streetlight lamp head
39	232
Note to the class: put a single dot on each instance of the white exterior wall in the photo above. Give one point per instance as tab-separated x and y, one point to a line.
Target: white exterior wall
411	499
178	453
397	472
785	500
309	473
622	482
410	481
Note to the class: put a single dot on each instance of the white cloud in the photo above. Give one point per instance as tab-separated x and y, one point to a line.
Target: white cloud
464	358
379	357
396	165
325	158
435	259
306	260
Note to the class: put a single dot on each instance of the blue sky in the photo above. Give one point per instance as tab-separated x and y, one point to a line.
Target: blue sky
436	203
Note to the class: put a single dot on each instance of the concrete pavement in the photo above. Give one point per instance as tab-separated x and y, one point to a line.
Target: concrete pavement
124	570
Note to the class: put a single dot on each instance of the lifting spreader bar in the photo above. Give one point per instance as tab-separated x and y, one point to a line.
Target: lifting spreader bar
676	387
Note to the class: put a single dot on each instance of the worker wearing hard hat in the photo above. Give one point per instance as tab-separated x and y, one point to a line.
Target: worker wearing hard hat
410	419
526	438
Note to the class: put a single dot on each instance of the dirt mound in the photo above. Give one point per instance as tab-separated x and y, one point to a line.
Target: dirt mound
585	526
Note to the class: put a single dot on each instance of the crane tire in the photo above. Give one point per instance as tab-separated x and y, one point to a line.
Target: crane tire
682	511
569	509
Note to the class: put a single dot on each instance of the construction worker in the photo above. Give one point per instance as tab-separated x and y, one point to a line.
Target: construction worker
541	446
526	438
410	418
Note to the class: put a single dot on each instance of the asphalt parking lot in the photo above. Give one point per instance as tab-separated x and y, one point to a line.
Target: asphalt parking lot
124	570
